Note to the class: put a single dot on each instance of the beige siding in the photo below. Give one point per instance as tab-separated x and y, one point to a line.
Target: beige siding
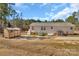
52	31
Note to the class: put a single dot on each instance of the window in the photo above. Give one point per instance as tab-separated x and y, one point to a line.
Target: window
32	28
43	28
51	27
71	28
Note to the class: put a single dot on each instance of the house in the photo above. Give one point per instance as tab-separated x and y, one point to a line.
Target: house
52	28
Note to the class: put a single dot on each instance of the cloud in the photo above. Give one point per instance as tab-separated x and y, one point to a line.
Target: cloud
52	15
44	18
66	11
41	18
49	14
75	6
18	4
43	4
24	17
55	7
62	14
21	5
32	4
35	17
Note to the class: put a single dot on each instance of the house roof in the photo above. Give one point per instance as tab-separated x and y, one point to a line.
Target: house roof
52	24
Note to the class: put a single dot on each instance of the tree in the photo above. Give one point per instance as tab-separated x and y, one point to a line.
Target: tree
16	22
74	14
38	20
6	11
70	19
58	20
45	21
52	20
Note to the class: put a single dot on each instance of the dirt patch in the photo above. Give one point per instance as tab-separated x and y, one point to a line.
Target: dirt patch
39	47
56	46
66	38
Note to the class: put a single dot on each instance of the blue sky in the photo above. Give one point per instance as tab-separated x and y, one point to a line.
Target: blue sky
46	11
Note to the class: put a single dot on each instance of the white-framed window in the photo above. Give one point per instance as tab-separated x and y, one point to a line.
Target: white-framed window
43	28
51	27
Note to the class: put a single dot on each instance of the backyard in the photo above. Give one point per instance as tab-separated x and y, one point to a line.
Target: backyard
55	46
17	21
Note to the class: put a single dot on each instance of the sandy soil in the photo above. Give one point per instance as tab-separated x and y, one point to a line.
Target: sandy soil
56	46
66	38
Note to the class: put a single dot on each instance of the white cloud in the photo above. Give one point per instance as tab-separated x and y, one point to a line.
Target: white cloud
74	6
55	7
18	4
35	17
41	18
66	11
21	5
43	4
46	18
32	4
24	17
49	14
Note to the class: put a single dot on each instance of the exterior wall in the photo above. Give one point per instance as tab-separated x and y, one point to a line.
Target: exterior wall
55	29
65	29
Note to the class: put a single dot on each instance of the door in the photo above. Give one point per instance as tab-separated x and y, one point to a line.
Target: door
60	33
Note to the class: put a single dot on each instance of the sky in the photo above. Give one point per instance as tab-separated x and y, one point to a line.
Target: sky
46	11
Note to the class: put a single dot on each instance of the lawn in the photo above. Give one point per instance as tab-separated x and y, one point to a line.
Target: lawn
48	47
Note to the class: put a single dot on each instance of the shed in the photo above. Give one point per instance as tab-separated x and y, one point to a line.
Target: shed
12	32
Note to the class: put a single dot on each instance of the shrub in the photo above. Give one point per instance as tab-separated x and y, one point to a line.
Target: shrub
43	34
34	33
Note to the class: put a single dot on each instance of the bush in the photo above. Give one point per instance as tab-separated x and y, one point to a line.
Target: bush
34	33
43	34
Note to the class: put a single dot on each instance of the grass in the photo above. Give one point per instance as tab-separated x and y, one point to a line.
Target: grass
39	47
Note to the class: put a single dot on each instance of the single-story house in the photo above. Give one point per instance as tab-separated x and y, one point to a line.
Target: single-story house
52	28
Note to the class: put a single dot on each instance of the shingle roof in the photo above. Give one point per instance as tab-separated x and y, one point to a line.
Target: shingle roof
52	24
